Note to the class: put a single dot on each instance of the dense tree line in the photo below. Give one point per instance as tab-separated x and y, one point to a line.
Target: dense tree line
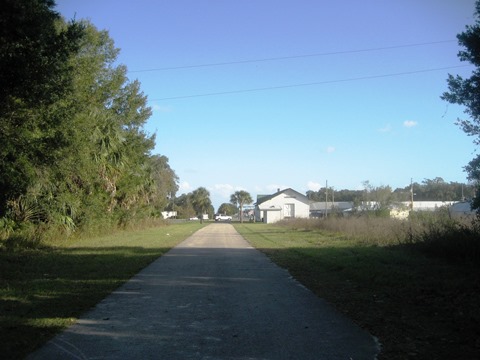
436	190
74	153
428	190
194	204
227	209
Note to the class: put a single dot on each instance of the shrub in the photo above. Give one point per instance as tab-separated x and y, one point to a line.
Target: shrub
7	226
369	230
454	240
432	233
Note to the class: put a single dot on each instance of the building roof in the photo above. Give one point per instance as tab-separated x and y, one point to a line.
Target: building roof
263	198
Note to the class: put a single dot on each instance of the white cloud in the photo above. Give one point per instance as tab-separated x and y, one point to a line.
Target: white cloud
314	186
224	190
330	149
410	123
184	187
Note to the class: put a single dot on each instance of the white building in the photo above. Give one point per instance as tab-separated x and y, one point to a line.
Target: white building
462	209
169	214
285	204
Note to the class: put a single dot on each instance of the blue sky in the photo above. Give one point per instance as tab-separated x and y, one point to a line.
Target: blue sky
305	91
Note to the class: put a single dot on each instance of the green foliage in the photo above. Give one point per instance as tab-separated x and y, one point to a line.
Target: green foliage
432	233
183	206
7	227
227	209
436	189
201	202
339	195
163	184
437	234
466	92
240	198
428	190
74	154
43	290
407	300
35	47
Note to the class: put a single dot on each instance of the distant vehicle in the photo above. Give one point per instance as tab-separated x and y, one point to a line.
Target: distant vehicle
223	217
194	218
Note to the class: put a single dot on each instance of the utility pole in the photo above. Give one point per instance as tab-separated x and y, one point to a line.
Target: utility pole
411	194
326	198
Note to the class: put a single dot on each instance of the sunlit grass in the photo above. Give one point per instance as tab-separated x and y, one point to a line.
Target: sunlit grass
44	290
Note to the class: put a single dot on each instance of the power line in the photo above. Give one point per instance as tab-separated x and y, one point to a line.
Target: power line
308	84
290	57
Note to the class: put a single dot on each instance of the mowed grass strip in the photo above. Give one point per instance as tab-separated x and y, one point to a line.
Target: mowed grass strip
418	307
43	291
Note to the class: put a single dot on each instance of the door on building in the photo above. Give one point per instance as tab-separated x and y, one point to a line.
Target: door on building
289	210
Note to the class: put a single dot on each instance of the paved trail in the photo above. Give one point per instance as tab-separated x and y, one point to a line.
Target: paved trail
212	297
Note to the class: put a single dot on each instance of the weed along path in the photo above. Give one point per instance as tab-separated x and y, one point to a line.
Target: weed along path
212	297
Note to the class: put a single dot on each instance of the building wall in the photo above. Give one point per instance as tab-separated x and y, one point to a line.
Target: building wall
270	216
285	205
462	209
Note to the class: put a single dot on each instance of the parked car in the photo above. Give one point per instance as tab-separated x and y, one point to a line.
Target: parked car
220	217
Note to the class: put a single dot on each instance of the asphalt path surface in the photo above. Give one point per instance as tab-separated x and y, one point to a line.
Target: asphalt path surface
212	297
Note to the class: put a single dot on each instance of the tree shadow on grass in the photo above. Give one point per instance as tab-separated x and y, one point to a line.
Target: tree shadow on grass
419	307
42	291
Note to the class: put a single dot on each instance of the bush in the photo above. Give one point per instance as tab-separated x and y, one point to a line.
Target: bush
432	233
26	236
450	239
7	227
369	230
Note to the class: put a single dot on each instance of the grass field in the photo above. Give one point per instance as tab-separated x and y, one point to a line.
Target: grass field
44	290
419	307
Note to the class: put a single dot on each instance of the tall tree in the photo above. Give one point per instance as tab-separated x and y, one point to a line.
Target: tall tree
35	76
103	171
110	158
201	202
165	182
239	199
466	92
73	149
227	209
183	206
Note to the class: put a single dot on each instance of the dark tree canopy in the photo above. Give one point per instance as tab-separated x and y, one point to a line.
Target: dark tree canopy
227	209
466	92
35	48
74	153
